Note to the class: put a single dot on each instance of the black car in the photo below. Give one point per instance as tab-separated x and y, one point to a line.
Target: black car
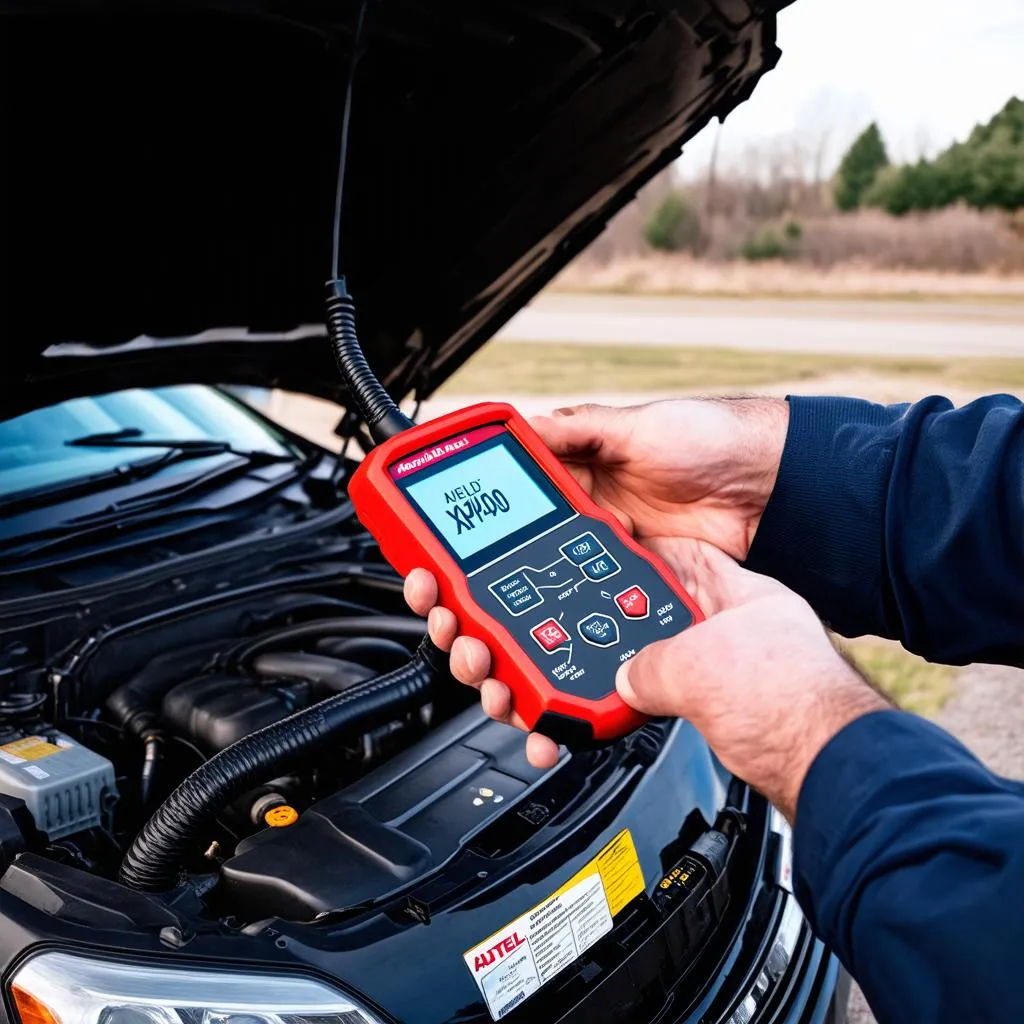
193	623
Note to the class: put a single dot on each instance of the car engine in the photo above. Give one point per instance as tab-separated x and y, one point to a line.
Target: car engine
148	736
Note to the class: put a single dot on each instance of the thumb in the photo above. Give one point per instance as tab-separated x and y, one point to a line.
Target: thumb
655	680
576	431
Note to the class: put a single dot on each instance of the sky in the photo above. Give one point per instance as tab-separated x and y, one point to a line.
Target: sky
926	70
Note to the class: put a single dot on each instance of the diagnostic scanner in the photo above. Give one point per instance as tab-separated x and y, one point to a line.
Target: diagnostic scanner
549	581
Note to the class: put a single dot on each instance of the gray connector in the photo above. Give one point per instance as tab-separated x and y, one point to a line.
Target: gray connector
66	787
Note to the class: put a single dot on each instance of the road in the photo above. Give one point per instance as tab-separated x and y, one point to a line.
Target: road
882	327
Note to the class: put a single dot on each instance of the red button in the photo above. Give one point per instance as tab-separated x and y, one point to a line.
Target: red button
549	634
634	603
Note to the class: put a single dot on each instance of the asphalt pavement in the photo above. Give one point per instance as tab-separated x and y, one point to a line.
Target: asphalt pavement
877	327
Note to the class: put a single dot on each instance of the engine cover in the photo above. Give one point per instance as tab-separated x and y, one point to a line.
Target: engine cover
390	827
219	710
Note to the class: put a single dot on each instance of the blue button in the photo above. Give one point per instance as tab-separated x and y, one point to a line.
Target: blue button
582	548
599	630
600	568
516	592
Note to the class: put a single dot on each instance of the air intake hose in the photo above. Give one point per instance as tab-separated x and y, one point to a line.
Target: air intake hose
153	864
382	416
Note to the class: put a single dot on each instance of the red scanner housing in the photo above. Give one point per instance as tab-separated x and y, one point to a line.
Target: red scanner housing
557	632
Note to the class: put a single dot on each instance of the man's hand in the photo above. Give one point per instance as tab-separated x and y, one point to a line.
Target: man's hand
691	468
678	469
760	678
471	663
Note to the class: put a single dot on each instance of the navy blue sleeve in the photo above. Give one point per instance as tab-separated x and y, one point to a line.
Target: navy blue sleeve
909	862
905	522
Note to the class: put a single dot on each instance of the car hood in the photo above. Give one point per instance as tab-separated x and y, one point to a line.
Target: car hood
168	174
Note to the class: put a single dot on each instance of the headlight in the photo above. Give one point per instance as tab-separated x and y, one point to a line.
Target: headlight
59	988
784	865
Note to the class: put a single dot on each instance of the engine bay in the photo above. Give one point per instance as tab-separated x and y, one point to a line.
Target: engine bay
247	752
101	735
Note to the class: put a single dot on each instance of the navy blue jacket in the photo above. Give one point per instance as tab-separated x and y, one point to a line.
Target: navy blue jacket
908	522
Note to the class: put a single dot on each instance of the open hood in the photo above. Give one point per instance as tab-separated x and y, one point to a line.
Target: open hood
167	175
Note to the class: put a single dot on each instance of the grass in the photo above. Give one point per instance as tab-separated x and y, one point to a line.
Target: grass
912	682
548	368
682	275
766	294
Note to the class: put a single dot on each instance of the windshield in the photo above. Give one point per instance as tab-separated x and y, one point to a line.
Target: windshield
34	451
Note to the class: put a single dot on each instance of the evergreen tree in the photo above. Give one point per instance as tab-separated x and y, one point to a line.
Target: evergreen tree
986	170
859	167
674	225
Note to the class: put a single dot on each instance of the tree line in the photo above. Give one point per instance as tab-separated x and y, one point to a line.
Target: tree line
766	215
985	171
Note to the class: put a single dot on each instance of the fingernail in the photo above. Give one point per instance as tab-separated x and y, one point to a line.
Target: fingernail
622	684
565	411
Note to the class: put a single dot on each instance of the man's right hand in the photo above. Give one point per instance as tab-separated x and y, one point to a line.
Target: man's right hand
759	678
695	468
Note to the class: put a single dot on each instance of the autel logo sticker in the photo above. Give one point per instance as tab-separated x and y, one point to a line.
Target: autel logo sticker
514	963
497	951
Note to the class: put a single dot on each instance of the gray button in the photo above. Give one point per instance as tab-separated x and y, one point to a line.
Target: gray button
600	568
516	592
582	548
599	630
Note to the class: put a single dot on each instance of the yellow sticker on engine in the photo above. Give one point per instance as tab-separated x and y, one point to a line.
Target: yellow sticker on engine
512	964
30	748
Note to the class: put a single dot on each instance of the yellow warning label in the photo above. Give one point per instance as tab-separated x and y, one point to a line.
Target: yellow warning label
31	748
512	964
619	868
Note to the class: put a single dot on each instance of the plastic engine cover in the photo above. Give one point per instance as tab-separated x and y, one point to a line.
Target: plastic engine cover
66	787
385	830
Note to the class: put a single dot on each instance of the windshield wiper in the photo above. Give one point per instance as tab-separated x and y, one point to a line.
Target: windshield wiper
192	447
145	510
130	437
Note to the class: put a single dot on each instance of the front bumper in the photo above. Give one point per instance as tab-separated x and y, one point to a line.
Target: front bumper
765	963
732	947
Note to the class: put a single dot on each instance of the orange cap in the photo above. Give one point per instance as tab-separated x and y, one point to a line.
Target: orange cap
280	816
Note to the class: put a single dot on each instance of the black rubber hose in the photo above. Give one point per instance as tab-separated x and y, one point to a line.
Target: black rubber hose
136	703
354	625
153	864
379	410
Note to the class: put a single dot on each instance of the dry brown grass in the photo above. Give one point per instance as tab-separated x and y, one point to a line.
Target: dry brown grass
913	683
553	368
663	274
956	239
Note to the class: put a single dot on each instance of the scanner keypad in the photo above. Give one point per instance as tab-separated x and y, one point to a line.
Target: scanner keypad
581	603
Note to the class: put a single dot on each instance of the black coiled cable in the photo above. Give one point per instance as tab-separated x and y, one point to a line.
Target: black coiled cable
153	864
381	414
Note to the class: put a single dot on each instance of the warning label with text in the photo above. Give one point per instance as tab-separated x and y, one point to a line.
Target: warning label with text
512	964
